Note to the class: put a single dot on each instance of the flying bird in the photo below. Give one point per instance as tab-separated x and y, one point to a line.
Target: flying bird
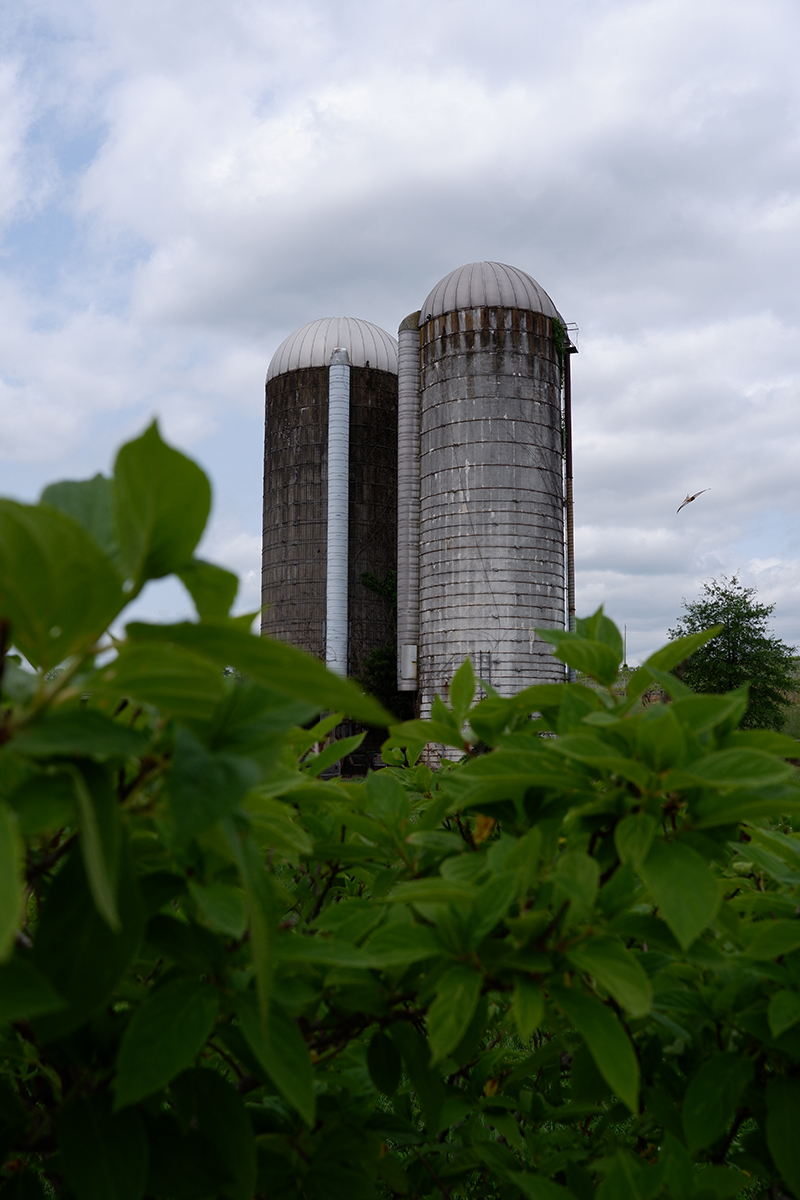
689	499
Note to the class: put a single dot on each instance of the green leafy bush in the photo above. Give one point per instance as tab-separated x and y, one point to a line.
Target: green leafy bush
566	966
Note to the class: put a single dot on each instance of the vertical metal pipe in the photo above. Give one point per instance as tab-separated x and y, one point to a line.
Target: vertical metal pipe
338	504
570	525
408	478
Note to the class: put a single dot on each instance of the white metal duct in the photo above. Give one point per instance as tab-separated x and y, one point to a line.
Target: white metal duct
338	501
408	419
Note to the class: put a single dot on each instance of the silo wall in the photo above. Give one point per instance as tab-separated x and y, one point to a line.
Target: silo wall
294	559
491	498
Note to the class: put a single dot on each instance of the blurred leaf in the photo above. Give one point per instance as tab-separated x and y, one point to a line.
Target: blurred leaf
24	1185
733	769
774	938
24	991
457	995
90	503
712	1097
166	1033
161	504
210	1104
607	1041
44	803
633	837
660	740
221	906
57	588
101	833
79	732
783	1122
212	588
462	690
332	754
578	877
783	1012
383	1063
682	887
616	970
276	665
75	949
527	1006
12	853
172	679
399	945
594	658
261	914
105	1155
205	786
282	1053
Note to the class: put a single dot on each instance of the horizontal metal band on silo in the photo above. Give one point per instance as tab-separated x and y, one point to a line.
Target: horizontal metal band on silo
491	497
408	476
338	505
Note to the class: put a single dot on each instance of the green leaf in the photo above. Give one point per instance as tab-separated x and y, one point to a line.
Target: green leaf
577	875
57	588
276	665
427	1083
166	1033
220	906
783	1122
666	658
203	786
457	996
104	1154
212	588
208	1103
332	754
101	832
12	856
90	503
161	505
176	681
282	1053
682	887
273	825
601	628
44	803
536	1187
75	949
78	733
633	837
607	1041
733	769
261	913
616	970
462	690
783	1012
400	944
592	657
24	992
431	891
701	713
774	938
660	739
527	1006
712	1096
383	1063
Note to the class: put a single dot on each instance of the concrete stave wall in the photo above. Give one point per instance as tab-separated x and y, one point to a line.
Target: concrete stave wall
492	523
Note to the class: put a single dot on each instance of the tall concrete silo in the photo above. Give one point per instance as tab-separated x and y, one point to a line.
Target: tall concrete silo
481	498
330	489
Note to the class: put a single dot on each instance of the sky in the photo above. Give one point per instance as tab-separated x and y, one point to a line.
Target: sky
185	182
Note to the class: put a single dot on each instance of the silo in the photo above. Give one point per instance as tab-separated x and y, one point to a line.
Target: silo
481	473
330	490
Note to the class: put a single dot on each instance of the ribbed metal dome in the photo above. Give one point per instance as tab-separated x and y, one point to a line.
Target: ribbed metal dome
488	284
313	345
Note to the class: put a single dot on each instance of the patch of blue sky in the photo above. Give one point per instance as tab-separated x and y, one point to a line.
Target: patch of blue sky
772	533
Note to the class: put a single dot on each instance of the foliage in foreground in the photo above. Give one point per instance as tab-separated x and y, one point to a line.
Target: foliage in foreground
567	966
742	653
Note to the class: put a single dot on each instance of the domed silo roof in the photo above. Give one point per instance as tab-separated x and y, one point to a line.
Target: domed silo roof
487	284
314	343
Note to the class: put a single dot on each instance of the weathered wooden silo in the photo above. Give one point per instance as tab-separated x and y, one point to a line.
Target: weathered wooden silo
330	489
481	482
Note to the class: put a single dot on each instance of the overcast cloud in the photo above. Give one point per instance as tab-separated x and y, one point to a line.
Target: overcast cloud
184	182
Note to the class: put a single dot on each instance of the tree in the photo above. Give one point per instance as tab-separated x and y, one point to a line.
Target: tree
742	653
565	967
